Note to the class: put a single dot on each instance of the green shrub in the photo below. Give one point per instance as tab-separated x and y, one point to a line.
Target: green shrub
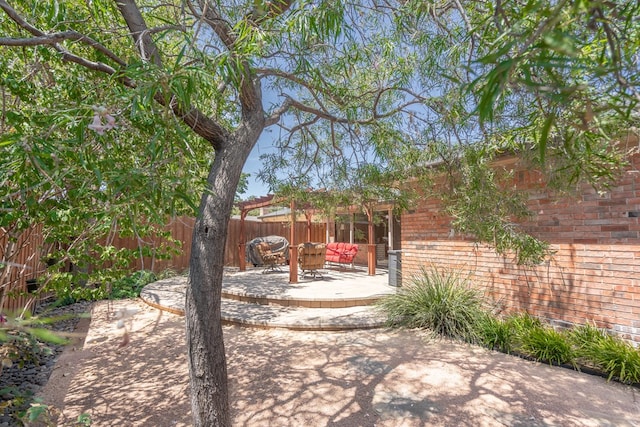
523	322
440	300
615	357
130	286
583	338
120	287
584	345
68	291
496	334
611	354
547	345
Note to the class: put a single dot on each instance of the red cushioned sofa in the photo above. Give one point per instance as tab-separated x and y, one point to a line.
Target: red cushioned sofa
341	253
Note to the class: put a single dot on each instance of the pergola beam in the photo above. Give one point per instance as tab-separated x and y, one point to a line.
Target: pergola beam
293	246
371	245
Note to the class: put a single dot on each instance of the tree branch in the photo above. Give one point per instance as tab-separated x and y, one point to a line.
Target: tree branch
15	16
270	10
263	72
278	113
202	125
66	55
322	113
139	31
155	30
55	38
554	17
614	47
417	99
300	126
249	90
311	110
211	17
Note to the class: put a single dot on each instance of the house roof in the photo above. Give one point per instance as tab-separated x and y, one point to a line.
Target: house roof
284	215
280	215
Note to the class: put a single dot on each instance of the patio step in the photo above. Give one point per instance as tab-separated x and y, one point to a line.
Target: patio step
322	301
300	318
268	301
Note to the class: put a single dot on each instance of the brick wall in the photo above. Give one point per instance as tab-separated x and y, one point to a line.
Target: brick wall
593	276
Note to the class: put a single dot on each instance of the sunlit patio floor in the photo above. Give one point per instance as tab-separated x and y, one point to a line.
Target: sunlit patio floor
341	298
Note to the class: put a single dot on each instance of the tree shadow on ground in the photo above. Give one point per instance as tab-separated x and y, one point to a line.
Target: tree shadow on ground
359	378
400	378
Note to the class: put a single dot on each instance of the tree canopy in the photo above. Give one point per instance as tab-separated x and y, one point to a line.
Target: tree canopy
82	159
554	82
122	111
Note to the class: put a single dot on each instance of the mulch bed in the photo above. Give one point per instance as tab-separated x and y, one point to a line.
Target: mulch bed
20	382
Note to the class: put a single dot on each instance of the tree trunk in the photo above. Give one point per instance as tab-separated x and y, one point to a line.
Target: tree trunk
205	346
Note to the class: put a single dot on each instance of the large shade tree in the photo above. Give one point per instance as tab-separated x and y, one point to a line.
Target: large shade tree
369	91
223	71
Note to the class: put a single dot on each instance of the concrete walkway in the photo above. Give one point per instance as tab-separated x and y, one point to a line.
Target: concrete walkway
380	377
359	378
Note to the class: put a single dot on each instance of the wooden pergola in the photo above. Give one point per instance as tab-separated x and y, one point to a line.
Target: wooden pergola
270	200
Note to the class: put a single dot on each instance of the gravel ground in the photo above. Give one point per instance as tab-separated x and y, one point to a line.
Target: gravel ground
382	378
25	380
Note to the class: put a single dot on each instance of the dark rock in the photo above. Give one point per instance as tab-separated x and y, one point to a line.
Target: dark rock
25	381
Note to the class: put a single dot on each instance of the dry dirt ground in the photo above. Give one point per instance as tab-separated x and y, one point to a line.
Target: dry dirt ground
288	378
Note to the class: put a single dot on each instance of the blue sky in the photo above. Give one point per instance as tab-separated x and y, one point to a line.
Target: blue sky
256	187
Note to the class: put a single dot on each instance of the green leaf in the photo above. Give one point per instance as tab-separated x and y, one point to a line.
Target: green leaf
47	335
544	136
9	138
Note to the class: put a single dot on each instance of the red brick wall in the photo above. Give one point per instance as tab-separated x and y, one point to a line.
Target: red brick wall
593	276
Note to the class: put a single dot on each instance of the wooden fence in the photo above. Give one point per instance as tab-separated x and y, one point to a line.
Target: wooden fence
255	229
19	262
26	264
181	229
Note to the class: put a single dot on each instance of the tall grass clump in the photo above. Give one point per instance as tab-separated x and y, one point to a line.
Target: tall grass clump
497	334
611	354
521	323
440	300
584	337
545	344
617	358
